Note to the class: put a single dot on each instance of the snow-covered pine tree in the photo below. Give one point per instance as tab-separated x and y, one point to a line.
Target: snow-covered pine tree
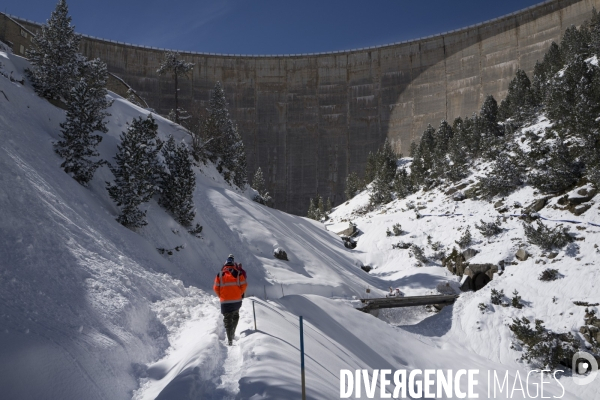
575	42
489	129
506	175
443	136
519	103
553	169
235	157
312	210
457	152
370	168
87	104
418	172
178	182
258	184
177	67
328	206
403	185
224	145
353	185
131	97
137	171
381	191
427	147
54	55
387	162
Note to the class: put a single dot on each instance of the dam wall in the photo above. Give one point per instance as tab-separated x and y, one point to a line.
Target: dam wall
308	120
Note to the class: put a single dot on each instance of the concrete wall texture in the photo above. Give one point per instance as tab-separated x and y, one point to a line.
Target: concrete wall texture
308	120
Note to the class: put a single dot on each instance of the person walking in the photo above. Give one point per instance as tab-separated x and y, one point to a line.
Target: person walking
230	285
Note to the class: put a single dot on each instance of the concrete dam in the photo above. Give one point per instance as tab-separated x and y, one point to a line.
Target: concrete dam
308	120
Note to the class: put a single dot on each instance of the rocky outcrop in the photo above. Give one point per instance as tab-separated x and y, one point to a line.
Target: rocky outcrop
522	254
280	254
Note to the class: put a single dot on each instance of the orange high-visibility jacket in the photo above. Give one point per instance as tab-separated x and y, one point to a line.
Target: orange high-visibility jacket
230	285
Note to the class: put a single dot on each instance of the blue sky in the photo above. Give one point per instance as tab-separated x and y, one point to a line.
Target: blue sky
268	26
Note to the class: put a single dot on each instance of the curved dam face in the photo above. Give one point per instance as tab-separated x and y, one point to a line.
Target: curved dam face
308	120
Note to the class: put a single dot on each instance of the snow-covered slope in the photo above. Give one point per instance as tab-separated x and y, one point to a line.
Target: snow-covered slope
435	216
76	288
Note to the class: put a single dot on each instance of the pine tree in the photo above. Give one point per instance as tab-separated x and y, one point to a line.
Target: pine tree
54	56
173	64
258	184
235	158
178	182
505	177
136	171
371	168
132	98
443	136
224	145
87	104
457	152
403	185
575	42
427	147
387	162
520	100
418	172
555	169
320	206
489	129
381	191
312	210
353	185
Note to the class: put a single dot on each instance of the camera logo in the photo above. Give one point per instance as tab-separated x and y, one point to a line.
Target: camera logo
582	363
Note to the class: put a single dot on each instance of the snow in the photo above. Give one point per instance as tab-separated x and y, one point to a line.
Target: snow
90	309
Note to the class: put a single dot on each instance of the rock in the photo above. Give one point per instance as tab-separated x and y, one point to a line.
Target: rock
580	209
499	204
537	205
445	288
552	255
366	268
458	196
581	195
349	243
522	254
469	253
454	189
280	254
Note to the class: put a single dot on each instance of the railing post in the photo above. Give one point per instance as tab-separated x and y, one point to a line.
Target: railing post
254	312
302	359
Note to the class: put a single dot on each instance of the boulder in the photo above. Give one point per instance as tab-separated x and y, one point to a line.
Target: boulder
522	254
579	209
581	195
458	196
280	254
499	204
552	255
454	189
537	205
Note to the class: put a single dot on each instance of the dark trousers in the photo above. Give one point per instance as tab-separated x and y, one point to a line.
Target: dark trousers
230	320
